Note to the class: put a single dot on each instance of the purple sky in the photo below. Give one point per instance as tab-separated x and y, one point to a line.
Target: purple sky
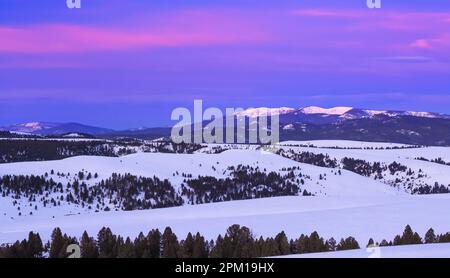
123	64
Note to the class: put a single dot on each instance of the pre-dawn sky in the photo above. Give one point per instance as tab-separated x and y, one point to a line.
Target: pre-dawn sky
124	64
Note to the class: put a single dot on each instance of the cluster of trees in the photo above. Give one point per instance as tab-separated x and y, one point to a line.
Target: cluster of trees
170	147
438	160
238	242
39	150
362	167
245	183
356	148
126	192
368	169
131	192
16	150
321	160
410	237
436	189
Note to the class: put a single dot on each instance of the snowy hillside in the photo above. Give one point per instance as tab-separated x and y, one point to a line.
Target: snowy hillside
318	181
338	203
424	166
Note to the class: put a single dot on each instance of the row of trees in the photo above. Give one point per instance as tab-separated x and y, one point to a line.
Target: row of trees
238	242
16	150
321	160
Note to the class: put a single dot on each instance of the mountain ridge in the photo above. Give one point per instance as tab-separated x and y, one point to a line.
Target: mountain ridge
308	123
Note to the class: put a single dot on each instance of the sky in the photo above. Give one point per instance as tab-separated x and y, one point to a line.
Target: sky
127	64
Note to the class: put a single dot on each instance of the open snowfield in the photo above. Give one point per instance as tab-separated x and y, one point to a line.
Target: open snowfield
344	205
363	218
171	166
441	250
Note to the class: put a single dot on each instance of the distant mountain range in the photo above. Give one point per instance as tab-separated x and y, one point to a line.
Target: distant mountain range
308	123
48	128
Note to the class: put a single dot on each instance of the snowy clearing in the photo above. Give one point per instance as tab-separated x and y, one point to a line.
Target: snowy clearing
437	250
338	217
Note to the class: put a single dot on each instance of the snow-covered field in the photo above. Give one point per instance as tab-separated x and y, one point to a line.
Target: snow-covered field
441	250
424	172
345	204
364	217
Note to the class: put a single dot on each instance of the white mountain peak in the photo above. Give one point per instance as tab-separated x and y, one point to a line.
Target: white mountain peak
340	110
255	112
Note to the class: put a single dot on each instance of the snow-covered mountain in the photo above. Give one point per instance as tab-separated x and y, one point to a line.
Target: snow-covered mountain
329	111
51	128
342	112
307	123
349	123
30	128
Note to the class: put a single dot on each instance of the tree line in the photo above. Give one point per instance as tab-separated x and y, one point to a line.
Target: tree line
237	242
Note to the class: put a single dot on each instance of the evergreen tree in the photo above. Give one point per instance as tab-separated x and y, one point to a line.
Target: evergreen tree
35	247
107	243
88	246
201	249
282	244
187	247
331	244
125	249
170	245
153	249
57	244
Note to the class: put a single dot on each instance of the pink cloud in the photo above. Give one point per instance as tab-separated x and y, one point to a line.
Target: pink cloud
327	13
187	29
422	43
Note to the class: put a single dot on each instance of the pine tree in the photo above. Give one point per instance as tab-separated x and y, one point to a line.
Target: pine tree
88	247
187	247
35	247
430	236
125	249
153	249
200	247
57	244
170	245
140	246
282	243
407	237
331	244
107	244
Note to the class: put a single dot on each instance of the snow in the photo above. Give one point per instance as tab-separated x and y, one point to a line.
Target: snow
165	165
344	205
30	127
425	173
329	111
288	127
264	111
73	135
437	250
68	139
421	114
339	217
